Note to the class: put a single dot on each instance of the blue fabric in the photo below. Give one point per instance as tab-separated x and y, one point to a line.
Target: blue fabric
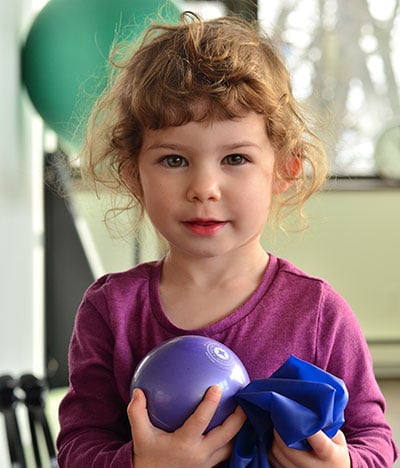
298	400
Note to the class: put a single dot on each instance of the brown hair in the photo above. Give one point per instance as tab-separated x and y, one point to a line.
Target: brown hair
225	63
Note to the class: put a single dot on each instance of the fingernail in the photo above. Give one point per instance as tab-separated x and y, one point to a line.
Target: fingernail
217	390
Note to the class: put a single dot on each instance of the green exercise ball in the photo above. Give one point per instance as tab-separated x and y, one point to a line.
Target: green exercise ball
65	55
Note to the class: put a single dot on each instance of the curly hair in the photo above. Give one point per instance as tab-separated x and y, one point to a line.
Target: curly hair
225	63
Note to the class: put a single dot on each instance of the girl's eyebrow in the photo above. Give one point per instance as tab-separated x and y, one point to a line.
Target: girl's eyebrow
168	146
241	144
177	146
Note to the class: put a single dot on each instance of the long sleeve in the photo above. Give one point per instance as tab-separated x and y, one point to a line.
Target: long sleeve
94	427
342	349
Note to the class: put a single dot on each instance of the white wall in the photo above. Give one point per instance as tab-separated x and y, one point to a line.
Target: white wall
21	227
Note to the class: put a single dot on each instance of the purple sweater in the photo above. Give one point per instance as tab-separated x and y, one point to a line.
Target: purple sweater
120	319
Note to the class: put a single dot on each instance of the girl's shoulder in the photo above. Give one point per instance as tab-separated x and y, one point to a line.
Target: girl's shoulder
301	285
287	273
125	281
286	267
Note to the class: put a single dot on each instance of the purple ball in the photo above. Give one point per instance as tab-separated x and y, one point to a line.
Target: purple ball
176	375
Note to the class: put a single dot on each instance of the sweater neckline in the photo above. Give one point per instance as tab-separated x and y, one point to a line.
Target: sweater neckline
216	327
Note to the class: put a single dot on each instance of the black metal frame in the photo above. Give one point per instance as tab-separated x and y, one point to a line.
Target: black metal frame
28	391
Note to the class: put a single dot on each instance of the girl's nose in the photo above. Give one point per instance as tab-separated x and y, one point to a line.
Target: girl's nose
203	187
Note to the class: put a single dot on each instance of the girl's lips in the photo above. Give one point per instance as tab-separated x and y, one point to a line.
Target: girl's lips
204	227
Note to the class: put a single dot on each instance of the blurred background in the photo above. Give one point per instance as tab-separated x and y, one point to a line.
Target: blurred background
345	62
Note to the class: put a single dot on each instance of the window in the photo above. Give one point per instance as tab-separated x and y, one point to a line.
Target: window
344	57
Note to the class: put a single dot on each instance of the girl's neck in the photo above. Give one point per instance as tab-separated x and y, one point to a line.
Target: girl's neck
198	292
205	272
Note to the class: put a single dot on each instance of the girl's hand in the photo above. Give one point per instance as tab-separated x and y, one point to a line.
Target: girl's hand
325	453
187	446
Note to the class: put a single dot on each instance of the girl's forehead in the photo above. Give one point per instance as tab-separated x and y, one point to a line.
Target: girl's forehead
202	109
248	130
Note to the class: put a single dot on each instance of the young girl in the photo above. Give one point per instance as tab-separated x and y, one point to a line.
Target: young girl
201	129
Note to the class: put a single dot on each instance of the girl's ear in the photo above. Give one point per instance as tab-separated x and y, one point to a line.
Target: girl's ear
286	173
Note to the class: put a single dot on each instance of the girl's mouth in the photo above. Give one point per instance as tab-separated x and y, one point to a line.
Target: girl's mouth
204	227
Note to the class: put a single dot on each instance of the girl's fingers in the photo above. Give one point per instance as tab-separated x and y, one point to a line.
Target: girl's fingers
325	448
152	444
201	418
137	412
230	427
321	444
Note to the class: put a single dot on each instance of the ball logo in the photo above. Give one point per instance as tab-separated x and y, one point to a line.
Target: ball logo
219	355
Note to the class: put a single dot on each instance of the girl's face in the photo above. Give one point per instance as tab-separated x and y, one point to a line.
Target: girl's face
207	186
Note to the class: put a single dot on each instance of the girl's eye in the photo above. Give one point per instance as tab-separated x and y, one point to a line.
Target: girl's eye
174	161
235	160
